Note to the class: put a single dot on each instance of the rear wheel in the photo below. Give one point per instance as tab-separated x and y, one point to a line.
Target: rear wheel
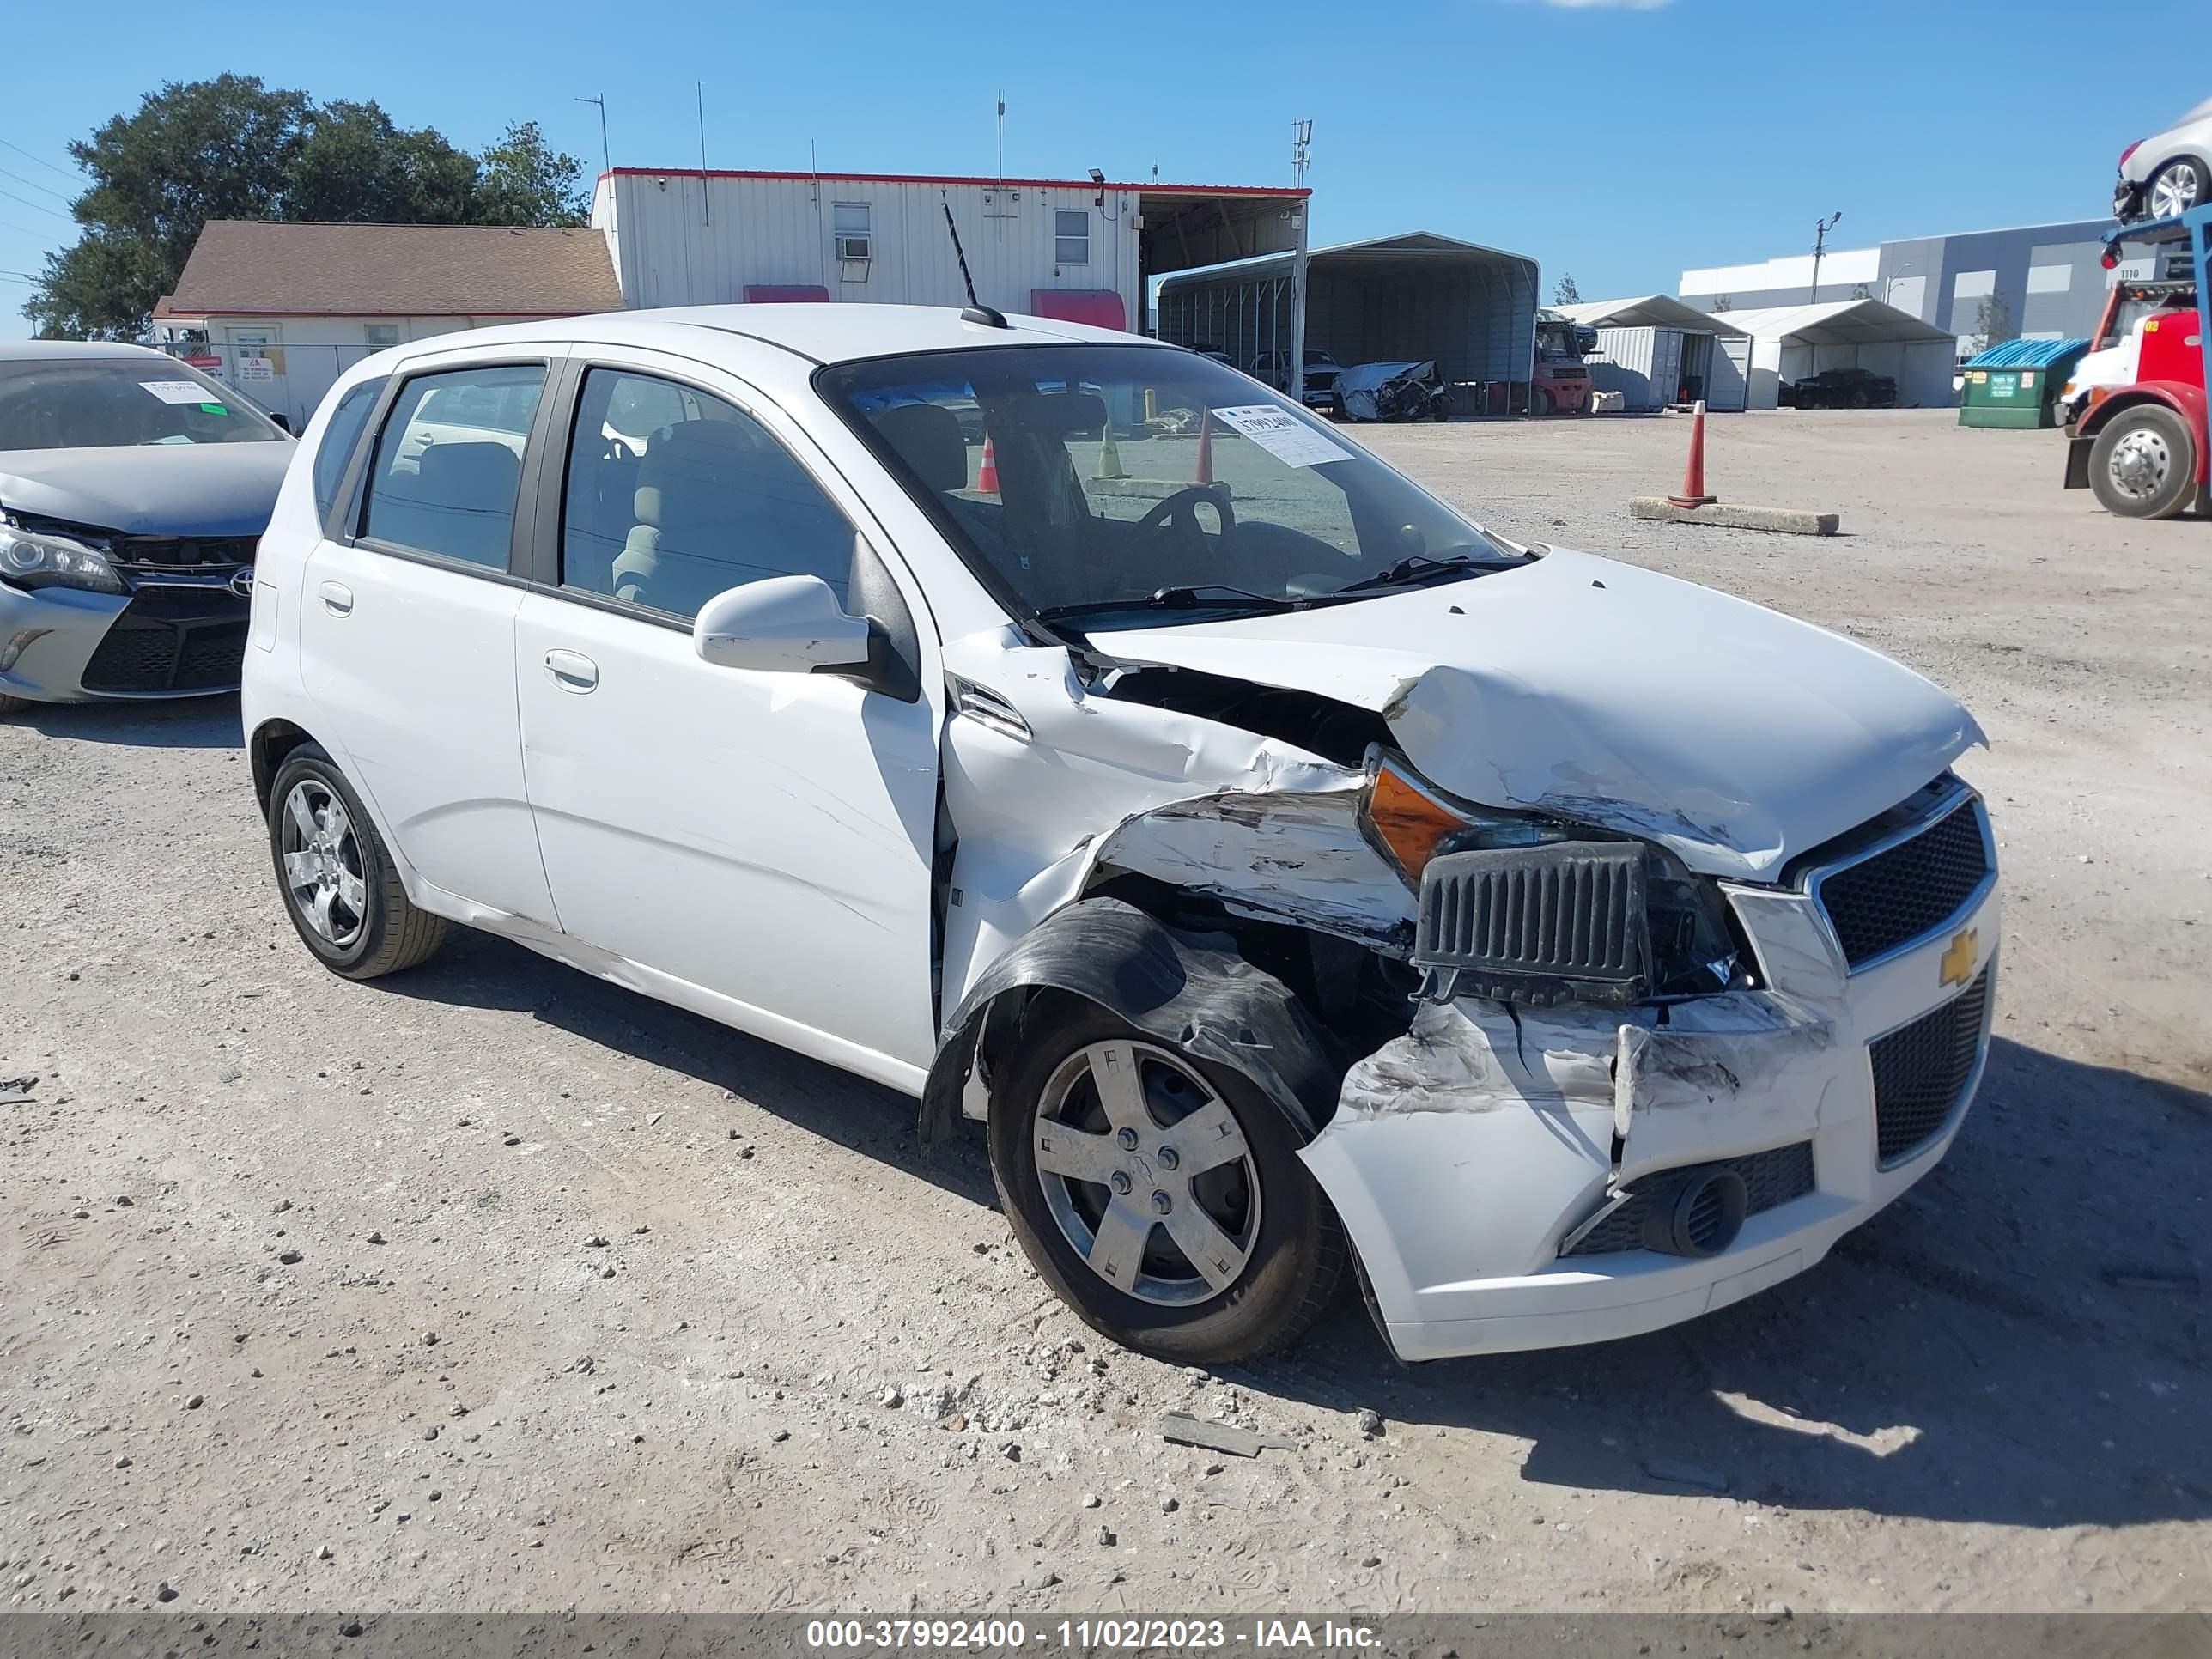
2143	464
1159	1194
2177	187
340	887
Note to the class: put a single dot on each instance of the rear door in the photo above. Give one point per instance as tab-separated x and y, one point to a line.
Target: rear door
763	839
407	628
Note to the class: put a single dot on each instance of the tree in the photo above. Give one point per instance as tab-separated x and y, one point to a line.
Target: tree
519	181
1565	293
1993	321
232	148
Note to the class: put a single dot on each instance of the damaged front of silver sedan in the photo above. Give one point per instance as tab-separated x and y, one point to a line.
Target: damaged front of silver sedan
1326	880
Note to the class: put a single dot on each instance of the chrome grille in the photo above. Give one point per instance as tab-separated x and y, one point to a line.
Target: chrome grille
1921	1072
1770	1179
1908	889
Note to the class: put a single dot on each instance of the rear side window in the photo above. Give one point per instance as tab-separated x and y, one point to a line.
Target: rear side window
675	495
339	438
449	462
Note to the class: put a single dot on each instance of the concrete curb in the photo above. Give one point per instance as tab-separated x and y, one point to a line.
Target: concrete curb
1787	520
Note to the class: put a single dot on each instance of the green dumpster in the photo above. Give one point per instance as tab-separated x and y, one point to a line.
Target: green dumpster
2017	383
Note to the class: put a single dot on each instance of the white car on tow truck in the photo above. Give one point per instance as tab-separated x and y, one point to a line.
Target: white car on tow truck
1284	869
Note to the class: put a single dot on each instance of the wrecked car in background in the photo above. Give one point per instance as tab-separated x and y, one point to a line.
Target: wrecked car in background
1284	869
1392	391
132	489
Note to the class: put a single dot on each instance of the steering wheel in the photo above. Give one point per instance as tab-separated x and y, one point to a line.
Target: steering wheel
1176	510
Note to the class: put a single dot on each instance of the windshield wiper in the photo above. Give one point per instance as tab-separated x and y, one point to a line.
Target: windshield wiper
1419	567
1191	598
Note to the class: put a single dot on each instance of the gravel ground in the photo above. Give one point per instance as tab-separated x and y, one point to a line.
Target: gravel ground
491	1287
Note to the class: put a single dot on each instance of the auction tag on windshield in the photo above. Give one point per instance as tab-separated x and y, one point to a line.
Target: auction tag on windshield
177	391
1288	439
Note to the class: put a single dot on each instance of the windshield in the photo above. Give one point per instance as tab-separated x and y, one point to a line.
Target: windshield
115	402
1203	492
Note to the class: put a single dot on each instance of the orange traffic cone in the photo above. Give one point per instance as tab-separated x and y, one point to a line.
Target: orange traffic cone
1693	474
986	480
1204	473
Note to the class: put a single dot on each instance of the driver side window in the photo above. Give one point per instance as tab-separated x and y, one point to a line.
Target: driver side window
674	495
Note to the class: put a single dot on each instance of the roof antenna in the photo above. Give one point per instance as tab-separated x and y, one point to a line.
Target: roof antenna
975	311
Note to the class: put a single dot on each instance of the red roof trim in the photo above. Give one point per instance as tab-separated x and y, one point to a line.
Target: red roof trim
1281	192
254	313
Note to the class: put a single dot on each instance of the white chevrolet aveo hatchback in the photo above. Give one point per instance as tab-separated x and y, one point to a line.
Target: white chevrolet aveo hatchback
1067	730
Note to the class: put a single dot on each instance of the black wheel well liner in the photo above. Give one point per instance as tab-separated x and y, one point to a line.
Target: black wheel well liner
1196	991
271	741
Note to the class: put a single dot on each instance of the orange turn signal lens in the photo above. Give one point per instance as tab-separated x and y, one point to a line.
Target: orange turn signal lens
1407	820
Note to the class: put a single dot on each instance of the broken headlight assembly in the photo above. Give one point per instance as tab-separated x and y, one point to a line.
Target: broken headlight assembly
1527	909
44	558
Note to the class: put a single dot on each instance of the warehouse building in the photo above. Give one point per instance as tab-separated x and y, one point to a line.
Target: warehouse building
1655	351
1792	343
2032	282
1080	250
1414	297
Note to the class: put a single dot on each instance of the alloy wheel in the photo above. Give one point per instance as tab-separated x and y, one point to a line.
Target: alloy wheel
2139	464
2177	188
1146	1172
322	863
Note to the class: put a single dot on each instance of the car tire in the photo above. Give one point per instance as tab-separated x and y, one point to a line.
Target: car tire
2171	174
1261	1202
361	923
11	705
1541	402
2143	463
1860	399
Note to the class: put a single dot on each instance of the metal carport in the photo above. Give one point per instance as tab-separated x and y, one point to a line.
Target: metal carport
1653	348
1790	343
1418	295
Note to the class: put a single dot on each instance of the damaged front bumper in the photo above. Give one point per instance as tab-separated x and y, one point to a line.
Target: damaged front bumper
1497	1170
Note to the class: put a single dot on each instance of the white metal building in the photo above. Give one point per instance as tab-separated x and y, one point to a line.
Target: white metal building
1415	296
1082	250
1655	351
1790	343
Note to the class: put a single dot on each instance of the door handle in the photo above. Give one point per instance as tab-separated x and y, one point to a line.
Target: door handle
338	599
572	670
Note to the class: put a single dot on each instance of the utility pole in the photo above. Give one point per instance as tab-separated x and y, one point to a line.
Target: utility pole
1820	229
1301	154
606	160
706	184
1002	141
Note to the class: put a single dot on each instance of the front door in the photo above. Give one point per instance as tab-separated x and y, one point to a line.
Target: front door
407	636
764	840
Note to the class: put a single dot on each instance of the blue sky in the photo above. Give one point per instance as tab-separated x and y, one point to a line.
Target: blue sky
1619	140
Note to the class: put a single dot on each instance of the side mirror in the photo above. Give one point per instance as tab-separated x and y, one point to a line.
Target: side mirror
792	624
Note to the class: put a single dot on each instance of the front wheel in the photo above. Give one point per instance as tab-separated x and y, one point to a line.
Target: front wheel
1541	402
10	704
1159	1194
2143	464
340	887
2176	187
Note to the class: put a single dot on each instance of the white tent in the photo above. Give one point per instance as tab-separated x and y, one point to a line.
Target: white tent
1790	343
1655	350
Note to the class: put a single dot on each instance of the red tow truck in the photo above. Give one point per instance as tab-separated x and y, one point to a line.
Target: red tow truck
2146	449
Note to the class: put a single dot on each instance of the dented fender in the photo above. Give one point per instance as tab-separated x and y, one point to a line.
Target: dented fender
1192	991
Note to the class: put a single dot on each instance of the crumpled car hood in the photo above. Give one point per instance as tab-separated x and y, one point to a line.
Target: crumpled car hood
151	489
1614	696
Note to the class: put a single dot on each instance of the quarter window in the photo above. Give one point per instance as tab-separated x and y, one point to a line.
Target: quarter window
449	462
1070	237
704	501
339	438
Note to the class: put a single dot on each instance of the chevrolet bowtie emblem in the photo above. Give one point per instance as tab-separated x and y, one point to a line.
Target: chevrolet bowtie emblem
1958	963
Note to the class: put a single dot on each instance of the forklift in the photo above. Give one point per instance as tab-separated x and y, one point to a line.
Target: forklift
2146	448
